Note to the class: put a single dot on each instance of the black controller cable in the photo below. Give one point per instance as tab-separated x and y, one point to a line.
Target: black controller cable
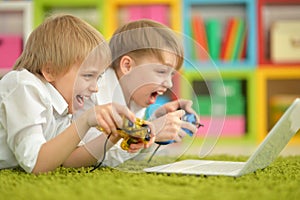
104	154
154	152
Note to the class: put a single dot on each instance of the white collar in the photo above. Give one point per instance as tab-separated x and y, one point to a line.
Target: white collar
59	103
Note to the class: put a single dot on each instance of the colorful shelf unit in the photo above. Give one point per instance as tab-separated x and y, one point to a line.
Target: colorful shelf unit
237	96
270	13
276	90
237	73
264	82
227	24
277	79
15	27
165	11
90	10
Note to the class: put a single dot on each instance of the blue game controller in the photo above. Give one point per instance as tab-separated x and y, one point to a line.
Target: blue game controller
188	117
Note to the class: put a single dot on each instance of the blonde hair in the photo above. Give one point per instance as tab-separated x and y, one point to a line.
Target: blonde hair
60	42
143	38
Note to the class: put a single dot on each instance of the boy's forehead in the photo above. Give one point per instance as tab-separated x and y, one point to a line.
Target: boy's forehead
169	59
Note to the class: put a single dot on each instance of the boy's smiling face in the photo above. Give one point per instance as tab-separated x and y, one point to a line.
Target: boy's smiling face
144	80
78	83
85	85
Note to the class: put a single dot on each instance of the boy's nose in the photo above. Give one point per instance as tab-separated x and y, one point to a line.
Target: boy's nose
168	83
94	88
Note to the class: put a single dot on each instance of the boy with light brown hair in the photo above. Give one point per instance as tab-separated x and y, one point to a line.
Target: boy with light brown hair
145	56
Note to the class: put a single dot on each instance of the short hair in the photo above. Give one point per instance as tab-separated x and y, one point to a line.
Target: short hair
143	37
59	42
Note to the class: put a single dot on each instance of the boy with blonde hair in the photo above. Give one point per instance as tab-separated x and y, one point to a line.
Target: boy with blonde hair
57	71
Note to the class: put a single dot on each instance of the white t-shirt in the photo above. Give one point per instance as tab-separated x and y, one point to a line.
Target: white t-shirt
111	91
31	113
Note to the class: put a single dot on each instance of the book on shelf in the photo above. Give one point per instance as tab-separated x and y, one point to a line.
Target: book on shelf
213	41
238	40
229	44
199	35
213	31
190	47
233	42
225	39
243	48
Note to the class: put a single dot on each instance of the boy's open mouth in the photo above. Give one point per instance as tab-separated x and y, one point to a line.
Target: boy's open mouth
154	96
80	100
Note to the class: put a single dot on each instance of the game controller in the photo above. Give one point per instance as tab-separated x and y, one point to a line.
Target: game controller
188	117
133	133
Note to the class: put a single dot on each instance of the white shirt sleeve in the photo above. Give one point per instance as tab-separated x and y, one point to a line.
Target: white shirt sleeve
24	119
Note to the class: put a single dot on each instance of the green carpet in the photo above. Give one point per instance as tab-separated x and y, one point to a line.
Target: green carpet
281	180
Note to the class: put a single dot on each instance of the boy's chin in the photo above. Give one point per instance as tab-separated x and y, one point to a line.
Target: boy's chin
75	108
141	104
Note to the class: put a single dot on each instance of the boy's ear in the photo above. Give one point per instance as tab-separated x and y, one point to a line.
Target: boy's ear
126	63
47	74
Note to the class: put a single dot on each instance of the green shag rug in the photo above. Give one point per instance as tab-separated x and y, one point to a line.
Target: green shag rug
281	180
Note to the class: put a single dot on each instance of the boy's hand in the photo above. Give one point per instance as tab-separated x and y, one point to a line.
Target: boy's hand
175	105
133	148
169	127
110	117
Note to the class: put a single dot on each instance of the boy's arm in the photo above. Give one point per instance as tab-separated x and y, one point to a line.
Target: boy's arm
91	152
54	152
63	148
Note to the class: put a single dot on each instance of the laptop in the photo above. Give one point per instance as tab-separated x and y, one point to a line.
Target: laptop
264	155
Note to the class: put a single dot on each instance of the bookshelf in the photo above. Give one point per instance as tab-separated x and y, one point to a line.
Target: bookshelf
239	72
261	80
15	27
221	11
240	105
270	11
275	88
278	79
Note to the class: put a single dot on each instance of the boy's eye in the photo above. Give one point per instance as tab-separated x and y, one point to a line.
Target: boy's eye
162	71
88	75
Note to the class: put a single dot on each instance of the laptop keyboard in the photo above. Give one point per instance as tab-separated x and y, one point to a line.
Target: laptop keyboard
217	167
199	167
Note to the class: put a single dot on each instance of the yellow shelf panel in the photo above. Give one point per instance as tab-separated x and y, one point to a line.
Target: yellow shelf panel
113	6
264	75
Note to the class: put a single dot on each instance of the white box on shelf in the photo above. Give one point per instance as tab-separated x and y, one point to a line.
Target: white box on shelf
285	41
